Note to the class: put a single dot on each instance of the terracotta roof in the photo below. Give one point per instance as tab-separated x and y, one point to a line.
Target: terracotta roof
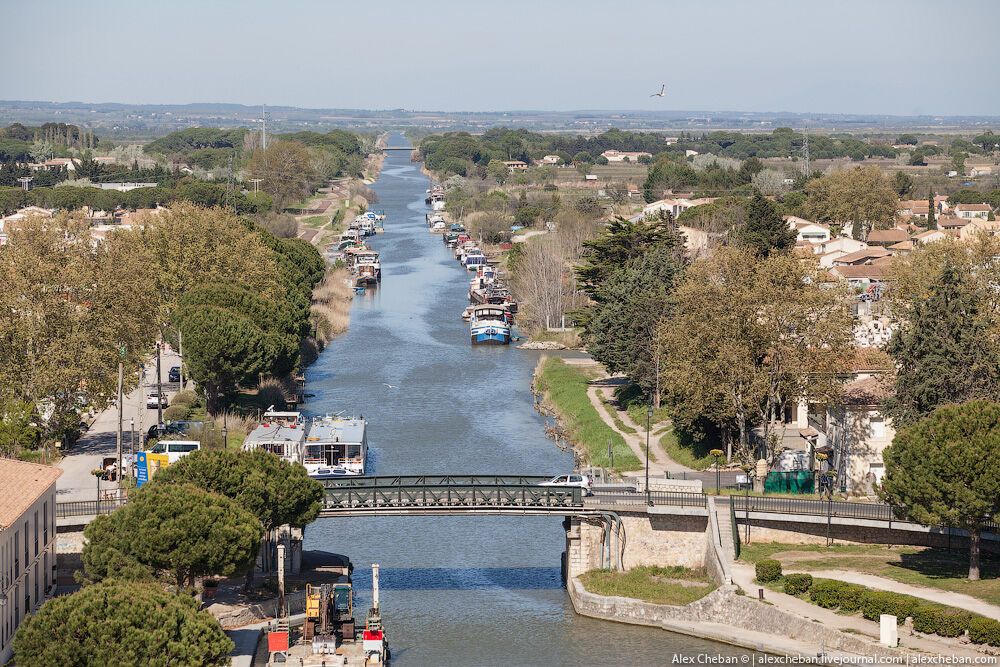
870	271
951	221
867	359
902	245
973	207
23	483
863	255
870	391
887	236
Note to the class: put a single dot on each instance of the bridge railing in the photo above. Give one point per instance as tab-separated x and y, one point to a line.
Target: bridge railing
836	508
87	507
436	480
402	496
663	498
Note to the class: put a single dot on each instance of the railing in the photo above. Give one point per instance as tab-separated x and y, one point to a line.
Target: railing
736	530
665	498
88	507
836	508
436	480
431	496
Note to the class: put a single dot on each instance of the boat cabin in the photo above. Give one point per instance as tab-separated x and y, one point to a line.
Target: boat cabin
490	311
281	439
336	444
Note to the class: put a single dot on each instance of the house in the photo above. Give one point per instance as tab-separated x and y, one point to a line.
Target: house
550	159
975	170
914	208
807	230
690	153
858	432
929	236
970	211
886	237
866	255
55	164
951	223
123	187
675	205
624	156
844	244
515	165
901	248
27	543
860	276
105	160
979	226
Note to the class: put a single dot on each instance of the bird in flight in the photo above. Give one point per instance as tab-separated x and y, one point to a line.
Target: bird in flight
390	386
663	89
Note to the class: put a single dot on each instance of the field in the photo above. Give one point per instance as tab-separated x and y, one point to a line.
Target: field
659	585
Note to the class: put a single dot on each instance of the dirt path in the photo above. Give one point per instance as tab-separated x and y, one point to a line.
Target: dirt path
636	441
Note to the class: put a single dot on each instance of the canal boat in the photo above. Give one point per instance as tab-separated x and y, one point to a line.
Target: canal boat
367	267
474	260
336	446
439	227
279	433
489	325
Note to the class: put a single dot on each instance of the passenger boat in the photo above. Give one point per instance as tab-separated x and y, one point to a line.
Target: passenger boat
367	267
474	260
336	446
439	227
280	433
489	325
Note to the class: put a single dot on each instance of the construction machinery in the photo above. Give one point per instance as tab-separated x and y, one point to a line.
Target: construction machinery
329	616
373	641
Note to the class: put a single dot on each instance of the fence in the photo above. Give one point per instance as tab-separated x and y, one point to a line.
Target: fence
88	507
664	498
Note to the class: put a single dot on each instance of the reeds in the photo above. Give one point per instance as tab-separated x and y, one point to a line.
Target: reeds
331	306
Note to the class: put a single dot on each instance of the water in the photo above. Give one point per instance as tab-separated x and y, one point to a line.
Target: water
456	590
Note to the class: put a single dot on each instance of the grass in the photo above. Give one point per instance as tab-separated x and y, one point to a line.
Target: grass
635	402
919	566
659	585
613	413
565	389
686	450
570	338
315	221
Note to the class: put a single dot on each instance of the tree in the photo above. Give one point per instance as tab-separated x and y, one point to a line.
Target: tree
765	230
861	196
903	183
18	427
750	168
121	623
288	170
769	181
945	351
623	240
497	170
746	337
178	529
931	214
945	470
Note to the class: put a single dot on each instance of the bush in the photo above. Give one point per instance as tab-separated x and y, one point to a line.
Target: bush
935	619
831	594
984	630
797	584
185	397
176	413
876	603
768	570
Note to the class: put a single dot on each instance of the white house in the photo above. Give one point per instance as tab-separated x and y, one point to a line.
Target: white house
808	230
929	236
969	211
624	156
676	205
27	543
978	226
550	159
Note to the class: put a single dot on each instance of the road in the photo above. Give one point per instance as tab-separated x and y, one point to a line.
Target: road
77	482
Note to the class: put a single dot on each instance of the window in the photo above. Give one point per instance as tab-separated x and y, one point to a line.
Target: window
36	533
45	523
25	545
17	552
876	427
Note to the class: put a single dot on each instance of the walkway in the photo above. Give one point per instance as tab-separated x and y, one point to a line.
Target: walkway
743	576
636	441
77	482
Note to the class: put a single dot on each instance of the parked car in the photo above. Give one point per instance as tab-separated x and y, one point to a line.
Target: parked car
582	481
155	400
157	431
175	449
174	375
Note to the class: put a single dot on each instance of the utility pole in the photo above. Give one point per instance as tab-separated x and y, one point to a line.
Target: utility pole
121	377
263	128
180	351
159	386
142	394
805	149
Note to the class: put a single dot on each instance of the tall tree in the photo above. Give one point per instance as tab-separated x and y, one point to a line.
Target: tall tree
287	167
122	623
946	350
622	241
862	197
748	336
497	170
945	470
177	529
764	230
931	213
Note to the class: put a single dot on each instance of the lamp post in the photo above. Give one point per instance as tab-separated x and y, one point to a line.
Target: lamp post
747	468
649	416
717	453
225	432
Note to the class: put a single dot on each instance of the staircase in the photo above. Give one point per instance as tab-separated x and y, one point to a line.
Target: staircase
724	516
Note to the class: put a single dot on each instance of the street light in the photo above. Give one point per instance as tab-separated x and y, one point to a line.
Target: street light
747	468
649	416
717	453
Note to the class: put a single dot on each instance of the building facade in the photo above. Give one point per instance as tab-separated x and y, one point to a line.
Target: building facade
27	543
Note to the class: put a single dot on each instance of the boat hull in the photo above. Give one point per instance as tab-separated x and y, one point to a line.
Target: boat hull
490	334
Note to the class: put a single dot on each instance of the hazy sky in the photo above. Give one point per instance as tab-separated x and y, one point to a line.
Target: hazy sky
851	56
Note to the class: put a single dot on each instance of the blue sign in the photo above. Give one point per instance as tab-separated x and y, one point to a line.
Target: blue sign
141	469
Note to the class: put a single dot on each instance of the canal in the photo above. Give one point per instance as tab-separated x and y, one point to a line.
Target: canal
455	590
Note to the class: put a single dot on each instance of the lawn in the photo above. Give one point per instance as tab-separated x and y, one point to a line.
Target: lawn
613	413
919	566
688	451
565	389
659	585
635	402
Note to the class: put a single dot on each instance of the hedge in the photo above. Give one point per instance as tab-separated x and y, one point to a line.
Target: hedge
768	570
935	619
797	584
185	397
984	630
176	413
876	603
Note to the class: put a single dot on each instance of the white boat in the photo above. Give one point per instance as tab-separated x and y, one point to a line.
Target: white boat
440	226
335	447
490	325
280	433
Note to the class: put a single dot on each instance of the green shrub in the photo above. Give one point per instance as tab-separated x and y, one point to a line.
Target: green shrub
768	570
797	584
984	630
185	397
832	594
876	603
946	621
176	413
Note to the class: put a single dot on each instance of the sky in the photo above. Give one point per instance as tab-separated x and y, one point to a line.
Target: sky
899	57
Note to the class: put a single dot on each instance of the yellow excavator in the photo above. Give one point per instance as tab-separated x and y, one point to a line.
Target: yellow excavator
329	616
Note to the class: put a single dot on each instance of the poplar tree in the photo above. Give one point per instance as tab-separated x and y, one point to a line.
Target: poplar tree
931	216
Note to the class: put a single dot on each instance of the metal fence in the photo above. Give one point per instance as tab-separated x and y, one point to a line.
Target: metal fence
664	498
837	508
87	507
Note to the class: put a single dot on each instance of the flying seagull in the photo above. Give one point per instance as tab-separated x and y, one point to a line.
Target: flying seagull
663	89
390	386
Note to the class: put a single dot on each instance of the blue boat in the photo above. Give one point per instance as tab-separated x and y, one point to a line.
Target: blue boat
490	325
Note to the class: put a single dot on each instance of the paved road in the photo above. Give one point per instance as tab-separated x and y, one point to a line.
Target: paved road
76	482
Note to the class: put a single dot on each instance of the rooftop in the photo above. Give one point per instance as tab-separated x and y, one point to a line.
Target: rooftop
23	483
274	433
887	236
336	429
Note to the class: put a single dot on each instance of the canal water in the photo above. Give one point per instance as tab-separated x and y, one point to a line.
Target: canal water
455	590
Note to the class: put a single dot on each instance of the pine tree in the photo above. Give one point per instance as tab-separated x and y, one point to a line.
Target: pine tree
944	354
931	217
764	230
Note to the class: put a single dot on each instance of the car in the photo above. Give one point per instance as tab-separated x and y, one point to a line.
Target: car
155	400
573	480
175	449
157	431
174	375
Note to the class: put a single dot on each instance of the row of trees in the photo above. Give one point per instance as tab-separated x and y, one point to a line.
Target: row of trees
71	308
203	516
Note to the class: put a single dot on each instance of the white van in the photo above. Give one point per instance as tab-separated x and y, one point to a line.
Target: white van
175	449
